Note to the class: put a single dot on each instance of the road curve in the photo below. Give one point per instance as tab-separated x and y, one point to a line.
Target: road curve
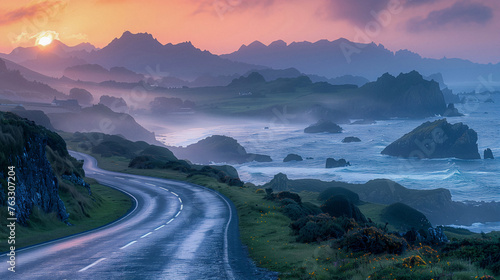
176	230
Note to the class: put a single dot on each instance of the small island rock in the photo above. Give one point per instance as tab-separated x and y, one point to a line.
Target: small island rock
323	126
292	157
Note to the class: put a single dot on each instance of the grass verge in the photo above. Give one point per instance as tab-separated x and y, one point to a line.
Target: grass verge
106	206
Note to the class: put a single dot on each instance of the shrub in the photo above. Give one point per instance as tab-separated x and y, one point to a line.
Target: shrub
373	240
413	261
317	228
405	217
290	195
484	253
260	191
340	206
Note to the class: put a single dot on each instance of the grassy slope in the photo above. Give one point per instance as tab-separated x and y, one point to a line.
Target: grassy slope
265	231
108	206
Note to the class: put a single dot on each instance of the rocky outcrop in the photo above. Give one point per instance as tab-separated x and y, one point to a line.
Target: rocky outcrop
24	146
438	139
278	183
488	154
323	126
451	111
292	157
218	149
351	139
332	163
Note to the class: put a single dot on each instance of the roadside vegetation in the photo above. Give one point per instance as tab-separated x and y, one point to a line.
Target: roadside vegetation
299	236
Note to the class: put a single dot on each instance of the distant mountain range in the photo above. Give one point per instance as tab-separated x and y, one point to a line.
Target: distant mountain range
128	57
342	57
140	53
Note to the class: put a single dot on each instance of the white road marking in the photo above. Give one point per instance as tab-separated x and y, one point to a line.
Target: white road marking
120	178
169	221
159	227
92	264
146	234
128	244
164	188
182	206
177	214
180	200
150	184
135	181
174	194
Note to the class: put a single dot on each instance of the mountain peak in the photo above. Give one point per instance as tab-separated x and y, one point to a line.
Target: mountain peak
137	40
255	45
278	44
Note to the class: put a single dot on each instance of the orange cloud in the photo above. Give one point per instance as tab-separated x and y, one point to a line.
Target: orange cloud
29	11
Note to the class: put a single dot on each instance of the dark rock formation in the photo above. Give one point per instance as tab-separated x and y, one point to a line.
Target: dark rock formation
332	163
438	139
24	146
217	148
451	111
292	157
278	183
351	139
77	180
323	126
488	154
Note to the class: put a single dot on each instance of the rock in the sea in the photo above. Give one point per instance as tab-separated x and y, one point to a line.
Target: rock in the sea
292	157
488	154
438	139
351	139
323	126
217	148
451	111
332	163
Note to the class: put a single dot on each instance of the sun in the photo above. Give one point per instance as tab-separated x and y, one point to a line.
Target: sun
45	38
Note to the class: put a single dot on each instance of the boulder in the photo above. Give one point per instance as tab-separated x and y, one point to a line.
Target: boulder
438	139
488	154
292	157
323	126
332	163
351	139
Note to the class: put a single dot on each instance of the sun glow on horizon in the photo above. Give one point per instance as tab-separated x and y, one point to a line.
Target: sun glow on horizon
45	38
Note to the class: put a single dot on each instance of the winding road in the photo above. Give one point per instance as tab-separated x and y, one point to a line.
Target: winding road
175	231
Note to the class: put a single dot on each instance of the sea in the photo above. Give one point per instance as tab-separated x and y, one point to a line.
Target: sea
467	180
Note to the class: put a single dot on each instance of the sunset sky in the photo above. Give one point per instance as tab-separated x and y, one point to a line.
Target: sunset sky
433	28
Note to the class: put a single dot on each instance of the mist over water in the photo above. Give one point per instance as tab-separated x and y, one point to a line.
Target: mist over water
476	180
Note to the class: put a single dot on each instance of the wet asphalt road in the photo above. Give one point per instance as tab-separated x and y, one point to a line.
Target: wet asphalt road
176	230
